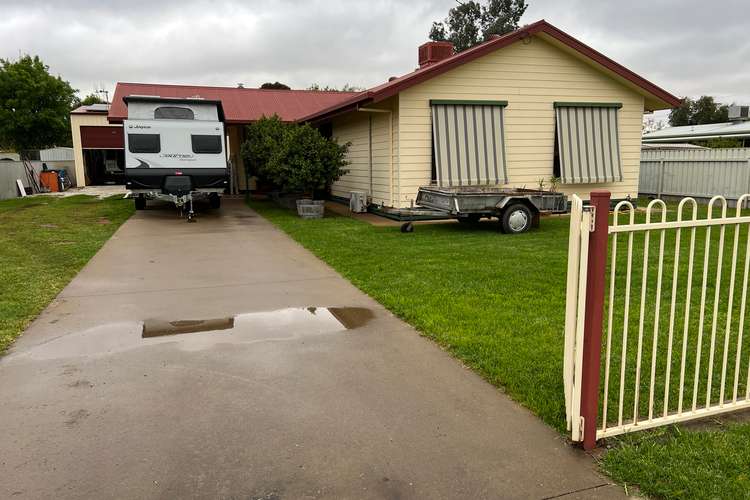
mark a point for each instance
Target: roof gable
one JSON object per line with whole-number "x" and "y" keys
{"x": 656, "y": 97}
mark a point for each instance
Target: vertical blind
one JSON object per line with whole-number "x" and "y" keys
{"x": 588, "y": 143}
{"x": 468, "y": 142}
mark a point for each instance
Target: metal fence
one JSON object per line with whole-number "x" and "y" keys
{"x": 676, "y": 308}
{"x": 701, "y": 173}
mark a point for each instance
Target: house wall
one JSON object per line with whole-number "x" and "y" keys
{"x": 76, "y": 122}
{"x": 355, "y": 128}
{"x": 531, "y": 77}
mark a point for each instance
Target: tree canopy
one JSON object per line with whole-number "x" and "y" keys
{"x": 699, "y": 112}
{"x": 472, "y": 22}
{"x": 275, "y": 86}
{"x": 91, "y": 99}
{"x": 346, "y": 88}
{"x": 34, "y": 105}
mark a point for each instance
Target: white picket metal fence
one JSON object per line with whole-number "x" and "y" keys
{"x": 672, "y": 347}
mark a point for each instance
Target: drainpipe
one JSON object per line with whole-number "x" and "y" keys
{"x": 390, "y": 147}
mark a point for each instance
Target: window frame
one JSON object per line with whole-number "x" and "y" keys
{"x": 142, "y": 150}
{"x": 212, "y": 152}
{"x": 156, "y": 111}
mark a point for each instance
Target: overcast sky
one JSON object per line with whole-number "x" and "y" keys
{"x": 688, "y": 47}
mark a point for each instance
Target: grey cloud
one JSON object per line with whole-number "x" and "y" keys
{"x": 688, "y": 47}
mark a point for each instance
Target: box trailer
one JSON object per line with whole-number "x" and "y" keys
{"x": 175, "y": 150}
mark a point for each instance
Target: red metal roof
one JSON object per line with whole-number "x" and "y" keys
{"x": 240, "y": 105}
{"x": 419, "y": 75}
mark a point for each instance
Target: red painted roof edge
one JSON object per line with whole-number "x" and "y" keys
{"x": 387, "y": 90}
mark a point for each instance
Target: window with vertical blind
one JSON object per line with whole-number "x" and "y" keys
{"x": 468, "y": 142}
{"x": 588, "y": 145}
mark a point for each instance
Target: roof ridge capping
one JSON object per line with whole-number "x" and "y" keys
{"x": 391, "y": 88}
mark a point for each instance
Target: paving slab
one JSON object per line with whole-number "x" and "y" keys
{"x": 300, "y": 385}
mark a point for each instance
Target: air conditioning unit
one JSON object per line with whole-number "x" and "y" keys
{"x": 739, "y": 113}
{"x": 358, "y": 202}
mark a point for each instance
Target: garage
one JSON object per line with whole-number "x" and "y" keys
{"x": 98, "y": 145}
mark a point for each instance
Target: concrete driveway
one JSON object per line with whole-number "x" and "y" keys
{"x": 278, "y": 400}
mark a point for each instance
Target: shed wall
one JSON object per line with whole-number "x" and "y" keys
{"x": 76, "y": 122}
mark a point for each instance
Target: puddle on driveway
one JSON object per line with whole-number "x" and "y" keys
{"x": 158, "y": 327}
{"x": 199, "y": 334}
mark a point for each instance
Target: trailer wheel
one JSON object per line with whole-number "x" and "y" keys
{"x": 140, "y": 202}
{"x": 214, "y": 200}
{"x": 407, "y": 227}
{"x": 516, "y": 218}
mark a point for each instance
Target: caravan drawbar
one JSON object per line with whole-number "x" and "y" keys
{"x": 175, "y": 150}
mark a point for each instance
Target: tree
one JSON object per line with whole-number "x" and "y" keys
{"x": 34, "y": 105}
{"x": 275, "y": 86}
{"x": 471, "y": 22}
{"x": 91, "y": 99}
{"x": 346, "y": 88}
{"x": 698, "y": 112}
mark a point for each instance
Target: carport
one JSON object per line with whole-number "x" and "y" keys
{"x": 241, "y": 106}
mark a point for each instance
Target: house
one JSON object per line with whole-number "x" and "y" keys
{"x": 516, "y": 110}
{"x": 519, "y": 108}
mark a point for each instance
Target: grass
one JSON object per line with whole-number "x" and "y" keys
{"x": 45, "y": 241}
{"x": 497, "y": 303}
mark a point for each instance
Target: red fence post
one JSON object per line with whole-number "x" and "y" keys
{"x": 592, "y": 326}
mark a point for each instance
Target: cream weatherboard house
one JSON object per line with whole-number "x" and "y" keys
{"x": 523, "y": 107}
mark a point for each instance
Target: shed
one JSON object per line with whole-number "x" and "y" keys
{"x": 516, "y": 110}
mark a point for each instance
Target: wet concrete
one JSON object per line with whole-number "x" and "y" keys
{"x": 315, "y": 391}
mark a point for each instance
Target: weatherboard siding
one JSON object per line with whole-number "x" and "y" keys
{"x": 355, "y": 129}
{"x": 531, "y": 77}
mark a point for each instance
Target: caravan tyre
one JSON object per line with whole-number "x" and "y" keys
{"x": 214, "y": 200}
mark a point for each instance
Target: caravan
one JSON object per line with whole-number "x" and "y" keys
{"x": 175, "y": 150}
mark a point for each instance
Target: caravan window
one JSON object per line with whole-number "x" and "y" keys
{"x": 206, "y": 144}
{"x": 173, "y": 113}
{"x": 144, "y": 143}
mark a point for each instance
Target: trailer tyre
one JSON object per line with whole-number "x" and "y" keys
{"x": 516, "y": 218}
{"x": 407, "y": 227}
{"x": 140, "y": 202}
{"x": 214, "y": 200}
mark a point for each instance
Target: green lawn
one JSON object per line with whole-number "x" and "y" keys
{"x": 497, "y": 303}
{"x": 45, "y": 241}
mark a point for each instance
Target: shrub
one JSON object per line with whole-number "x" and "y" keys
{"x": 264, "y": 138}
{"x": 294, "y": 158}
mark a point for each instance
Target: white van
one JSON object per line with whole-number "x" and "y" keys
{"x": 175, "y": 149}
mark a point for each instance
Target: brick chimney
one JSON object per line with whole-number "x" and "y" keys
{"x": 432, "y": 52}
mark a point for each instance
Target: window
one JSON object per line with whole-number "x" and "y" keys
{"x": 206, "y": 144}
{"x": 144, "y": 143}
{"x": 468, "y": 142}
{"x": 587, "y": 142}
{"x": 173, "y": 113}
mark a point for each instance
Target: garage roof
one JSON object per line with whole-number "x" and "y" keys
{"x": 656, "y": 97}
{"x": 240, "y": 105}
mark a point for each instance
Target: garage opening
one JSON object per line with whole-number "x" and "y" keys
{"x": 103, "y": 155}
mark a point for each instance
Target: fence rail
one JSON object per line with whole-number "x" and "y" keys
{"x": 700, "y": 173}
{"x": 674, "y": 348}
